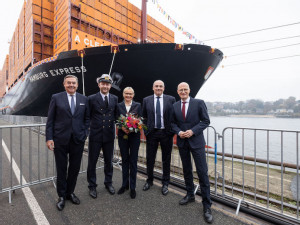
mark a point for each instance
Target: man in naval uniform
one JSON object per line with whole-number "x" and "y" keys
{"x": 103, "y": 113}
{"x": 66, "y": 131}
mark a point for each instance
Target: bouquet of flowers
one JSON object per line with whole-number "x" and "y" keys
{"x": 130, "y": 122}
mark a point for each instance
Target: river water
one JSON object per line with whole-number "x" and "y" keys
{"x": 278, "y": 145}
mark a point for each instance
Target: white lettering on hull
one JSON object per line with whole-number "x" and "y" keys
{"x": 58, "y": 72}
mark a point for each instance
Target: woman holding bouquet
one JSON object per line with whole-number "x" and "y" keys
{"x": 129, "y": 139}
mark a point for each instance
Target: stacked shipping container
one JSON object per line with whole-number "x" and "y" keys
{"x": 4, "y": 76}
{"x": 48, "y": 27}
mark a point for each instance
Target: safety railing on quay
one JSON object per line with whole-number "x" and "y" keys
{"x": 250, "y": 169}
{"x": 260, "y": 168}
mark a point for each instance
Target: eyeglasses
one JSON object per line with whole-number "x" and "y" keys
{"x": 183, "y": 90}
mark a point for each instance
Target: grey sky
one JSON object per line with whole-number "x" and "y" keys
{"x": 210, "y": 19}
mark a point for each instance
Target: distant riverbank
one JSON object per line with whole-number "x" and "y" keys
{"x": 253, "y": 116}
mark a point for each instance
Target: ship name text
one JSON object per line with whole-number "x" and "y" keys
{"x": 57, "y": 72}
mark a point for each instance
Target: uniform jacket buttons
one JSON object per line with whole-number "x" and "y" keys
{"x": 103, "y": 126}
{"x": 103, "y": 114}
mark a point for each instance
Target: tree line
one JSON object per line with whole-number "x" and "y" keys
{"x": 289, "y": 106}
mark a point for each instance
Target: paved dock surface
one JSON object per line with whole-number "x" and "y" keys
{"x": 36, "y": 204}
{"x": 149, "y": 207}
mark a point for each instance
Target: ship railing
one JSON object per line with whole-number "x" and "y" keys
{"x": 239, "y": 177}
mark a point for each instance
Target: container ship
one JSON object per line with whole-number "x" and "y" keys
{"x": 87, "y": 38}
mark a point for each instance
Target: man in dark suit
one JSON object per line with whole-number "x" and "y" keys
{"x": 103, "y": 108}
{"x": 157, "y": 112}
{"x": 190, "y": 118}
{"x": 66, "y": 131}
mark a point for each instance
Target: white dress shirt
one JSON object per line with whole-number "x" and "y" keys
{"x": 128, "y": 107}
{"x": 187, "y": 101}
{"x": 103, "y": 97}
{"x": 186, "y": 105}
{"x": 69, "y": 99}
{"x": 161, "y": 101}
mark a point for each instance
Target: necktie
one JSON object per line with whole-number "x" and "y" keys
{"x": 106, "y": 101}
{"x": 158, "y": 115}
{"x": 72, "y": 104}
{"x": 183, "y": 110}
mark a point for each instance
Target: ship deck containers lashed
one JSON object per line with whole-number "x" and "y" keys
{"x": 47, "y": 27}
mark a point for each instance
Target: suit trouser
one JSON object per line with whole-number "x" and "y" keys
{"x": 201, "y": 168}
{"x": 66, "y": 181}
{"x": 94, "y": 152}
{"x": 166, "y": 143}
{"x": 129, "y": 149}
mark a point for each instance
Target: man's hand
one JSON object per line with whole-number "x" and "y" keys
{"x": 125, "y": 130}
{"x": 186, "y": 134}
{"x": 189, "y": 133}
{"x": 50, "y": 145}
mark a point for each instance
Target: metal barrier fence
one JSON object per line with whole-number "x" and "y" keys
{"x": 260, "y": 168}
{"x": 238, "y": 170}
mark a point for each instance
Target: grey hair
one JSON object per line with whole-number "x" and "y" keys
{"x": 160, "y": 81}
{"x": 68, "y": 76}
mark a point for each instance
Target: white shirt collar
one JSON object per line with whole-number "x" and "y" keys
{"x": 155, "y": 96}
{"x": 103, "y": 95}
{"x": 187, "y": 100}
{"x": 71, "y": 95}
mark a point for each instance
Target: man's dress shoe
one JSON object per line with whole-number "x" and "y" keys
{"x": 60, "y": 203}
{"x": 93, "y": 192}
{"x": 110, "y": 189}
{"x": 147, "y": 186}
{"x": 121, "y": 190}
{"x": 207, "y": 215}
{"x": 187, "y": 199}
{"x": 164, "y": 190}
{"x": 132, "y": 193}
{"x": 73, "y": 198}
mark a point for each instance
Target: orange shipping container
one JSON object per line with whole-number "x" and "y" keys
{"x": 64, "y": 47}
{"x": 98, "y": 6}
{"x": 65, "y": 18}
{"x": 46, "y": 4}
{"x": 59, "y": 3}
{"x": 76, "y": 2}
{"x": 65, "y": 10}
{"x": 47, "y": 14}
{"x": 37, "y": 10}
{"x": 106, "y": 2}
{"x": 47, "y": 22}
{"x": 59, "y": 42}
{"x": 98, "y": 15}
{"x": 112, "y": 13}
{"x": 82, "y": 40}
{"x": 92, "y": 2}
{"x": 64, "y": 29}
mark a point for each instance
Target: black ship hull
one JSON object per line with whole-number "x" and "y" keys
{"x": 135, "y": 65}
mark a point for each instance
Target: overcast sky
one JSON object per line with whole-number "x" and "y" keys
{"x": 209, "y": 19}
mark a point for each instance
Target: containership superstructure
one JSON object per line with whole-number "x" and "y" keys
{"x": 87, "y": 38}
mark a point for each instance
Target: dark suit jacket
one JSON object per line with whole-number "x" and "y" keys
{"x": 196, "y": 119}
{"x": 135, "y": 109}
{"x": 149, "y": 114}
{"x": 61, "y": 124}
{"x": 102, "y": 126}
